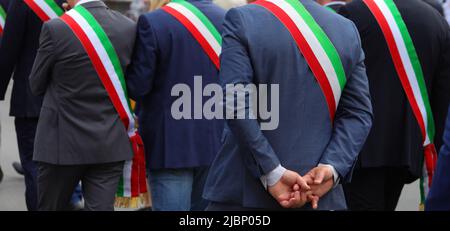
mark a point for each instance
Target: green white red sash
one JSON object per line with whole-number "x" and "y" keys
{"x": 199, "y": 26}
{"x": 107, "y": 64}
{"x": 410, "y": 72}
{"x": 319, "y": 52}
{"x": 45, "y": 9}
{"x": 2, "y": 19}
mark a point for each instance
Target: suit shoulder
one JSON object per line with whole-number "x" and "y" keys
{"x": 125, "y": 20}
{"x": 55, "y": 24}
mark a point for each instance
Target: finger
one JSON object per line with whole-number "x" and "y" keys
{"x": 318, "y": 178}
{"x": 302, "y": 183}
{"x": 296, "y": 200}
{"x": 304, "y": 198}
{"x": 314, "y": 201}
{"x": 285, "y": 204}
{"x": 296, "y": 187}
{"x": 284, "y": 197}
{"x": 308, "y": 178}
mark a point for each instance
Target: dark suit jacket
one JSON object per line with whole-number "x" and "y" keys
{"x": 395, "y": 139}
{"x": 167, "y": 54}
{"x": 257, "y": 48}
{"x": 17, "y": 52}
{"x": 78, "y": 122}
{"x": 439, "y": 196}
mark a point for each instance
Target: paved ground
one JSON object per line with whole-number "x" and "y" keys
{"x": 12, "y": 188}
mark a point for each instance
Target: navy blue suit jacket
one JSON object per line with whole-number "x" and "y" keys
{"x": 257, "y": 48}
{"x": 439, "y": 196}
{"x": 17, "y": 52}
{"x": 167, "y": 54}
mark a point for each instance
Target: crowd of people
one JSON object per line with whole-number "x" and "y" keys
{"x": 111, "y": 109}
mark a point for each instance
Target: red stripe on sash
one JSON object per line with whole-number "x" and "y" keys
{"x": 1, "y": 30}
{"x": 307, "y": 52}
{"x": 101, "y": 71}
{"x": 142, "y": 168}
{"x": 430, "y": 161}
{"x": 399, "y": 66}
{"x": 135, "y": 171}
{"x": 197, "y": 35}
{"x": 37, "y": 10}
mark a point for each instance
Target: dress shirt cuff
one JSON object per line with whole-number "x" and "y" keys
{"x": 272, "y": 177}
{"x": 335, "y": 174}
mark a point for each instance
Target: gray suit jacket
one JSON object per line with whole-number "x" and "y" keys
{"x": 78, "y": 123}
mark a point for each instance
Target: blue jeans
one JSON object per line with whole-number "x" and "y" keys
{"x": 178, "y": 189}
{"x": 77, "y": 196}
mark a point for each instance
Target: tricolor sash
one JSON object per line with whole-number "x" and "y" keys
{"x": 312, "y": 42}
{"x": 200, "y": 27}
{"x": 409, "y": 70}
{"x": 133, "y": 187}
{"x": 45, "y": 9}
{"x": 2, "y": 19}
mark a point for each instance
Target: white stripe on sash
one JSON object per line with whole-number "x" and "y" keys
{"x": 127, "y": 175}
{"x": 106, "y": 61}
{"x": 316, "y": 47}
{"x": 46, "y": 8}
{"x": 2, "y": 22}
{"x": 199, "y": 25}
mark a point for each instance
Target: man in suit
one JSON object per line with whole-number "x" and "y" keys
{"x": 393, "y": 154}
{"x": 178, "y": 152}
{"x": 256, "y": 169}
{"x": 438, "y": 198}
{"x": 80, "y": 136}
{"x": 17, "y": 52}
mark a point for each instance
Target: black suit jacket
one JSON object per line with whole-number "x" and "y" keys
{"x": 17, "y": 52}
{"x": 395, "y": 138}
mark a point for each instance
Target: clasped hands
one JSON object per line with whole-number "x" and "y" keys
{"x": 294, "y": 191}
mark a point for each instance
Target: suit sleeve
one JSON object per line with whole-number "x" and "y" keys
{"x": 353, "y": 119}
{"x": 44, "y": 62}
{"x": 236, "y": 68}
{"x": 140, "y": 73}
{"x": 438, "y": 198}
{"x": 440, "y": 89}
{"x": 11, "y": 43}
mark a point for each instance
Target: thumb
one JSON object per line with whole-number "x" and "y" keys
{"x": 318, "y": 178}
{"x": 302, "y": 183}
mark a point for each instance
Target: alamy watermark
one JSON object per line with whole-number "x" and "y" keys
{"x": 241, "y": 101}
